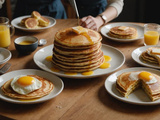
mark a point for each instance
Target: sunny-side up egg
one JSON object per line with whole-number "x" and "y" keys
{"x": 147, "y": 77}
{"x": 25, "y": 84}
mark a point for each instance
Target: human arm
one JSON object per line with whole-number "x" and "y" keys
{"x": 113, "y": 9}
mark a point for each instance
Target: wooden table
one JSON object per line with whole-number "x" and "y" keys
{"x": 81, "y": 99}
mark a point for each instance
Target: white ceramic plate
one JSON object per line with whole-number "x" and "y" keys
{"x": 138, "y": 97}
{"x": 58, "y": 85}
{"x": 16, "y": 23}
{"x": 5, "y": 55}
{"x": 136, "y": 57}
{"x": 117, "y": 61}
{"x": 105, "y": 29}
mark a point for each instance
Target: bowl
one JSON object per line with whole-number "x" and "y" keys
{"x": 26, "y": 44}
{"x": 5, "y": 55}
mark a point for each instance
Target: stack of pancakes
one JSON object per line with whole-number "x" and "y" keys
{"x": 125, "y": 85}
{"x": 77, "y": 49}
{"x": 123, "y": 32}
{"x": 46, "y": 88}
{"x": 35, "y": 21}
{"x": 151, "y": 55}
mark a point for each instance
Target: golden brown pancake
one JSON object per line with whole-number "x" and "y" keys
{"x": 36, "y": 15}
{"x": 69, "y": 38}
{"x": 77, "y": 50}
{"x": 43, "y": 21}
{"x": 151, "y": 56}
{"x": 23, "y": 20}
{"x": 31, "y": 23}
{"x": 125, "y": 85}
{"x": 46, "y": 88}
{"x": 123, "y": 32}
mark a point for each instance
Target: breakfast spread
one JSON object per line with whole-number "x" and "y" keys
{"x": 151, "y": 55}
{"x": 127, "y": 82}
{"x": 123, "y": 32}
{"x": 27, "y": 87}
{"x": 77, "y": 49}
{"x": 35, "y": 21}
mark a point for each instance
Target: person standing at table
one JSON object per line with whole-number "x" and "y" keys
{"x": 52, "y": 8}
{"x": 95, "y": 13}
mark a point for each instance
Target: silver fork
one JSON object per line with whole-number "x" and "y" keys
{"x": 5, "y": 68}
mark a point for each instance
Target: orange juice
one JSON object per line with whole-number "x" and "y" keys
{"x": 151, "y": 37}
{"x": 4, "y": 36}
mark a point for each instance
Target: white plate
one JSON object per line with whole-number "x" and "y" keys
{"x": 136, "y": 57}
{"x": 58, "y": 85}
{"x": 5, "y": 55}
{"x": 116, "y": 62}
{"x": 105, "y": 29}
{"x": 16, "y": 23}
{"x": 138, "y": 97}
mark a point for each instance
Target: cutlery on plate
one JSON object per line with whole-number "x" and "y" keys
{"x": 5, "y": 68}
{"x": 74, "y": 5}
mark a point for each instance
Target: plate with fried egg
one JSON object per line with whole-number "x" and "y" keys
{"x": 123, "y": 31}
{"x": 136, "y": 56}
{"x": 149, "y": 77}
{"x": 29, "y": 86}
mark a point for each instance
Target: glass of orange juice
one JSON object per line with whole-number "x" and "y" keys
{"x": 5, "y": 36}
{"x": 151, "y": 34}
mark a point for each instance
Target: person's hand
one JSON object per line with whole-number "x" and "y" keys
{"x": 91, "y": 22}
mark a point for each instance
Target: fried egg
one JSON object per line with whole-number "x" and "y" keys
{"x": 134, "y": 76}
{"x": 25, "y": 84}
{"x": 147, "y": 77}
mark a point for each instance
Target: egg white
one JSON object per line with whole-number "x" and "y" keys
{"x": 25, "y": 89}
{"x": 134, "y": 76}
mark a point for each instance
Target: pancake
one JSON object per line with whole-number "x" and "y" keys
{"x": 77, "y": 49}
{"x": 126, "y": 84}
{"x": 31, "y": 23}
{"x": 46, "y": 88}
{"x": 70, "y": 38}
{"x": 151, "y": 55}
{"x": 36, "y": 15}
{"x": 23, "y": 20}
{"x": 43, "y": 21}
{"x": 123, "y": 32}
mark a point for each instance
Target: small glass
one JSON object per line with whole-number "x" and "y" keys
{"x": 151, "y": 34}
{"x": 5, "y": 35}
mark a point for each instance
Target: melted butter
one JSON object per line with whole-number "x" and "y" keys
{"x": 55, "y": 69}
{"x": 105, "y": 65}
{"x": 88, "y": 37}
{"x": 87, "y": 73}
{"x": 70, "y": 73}
{"x": 107, "y": 58}
{"x": 49, "y": 58}
{"x": 27, "y": 100}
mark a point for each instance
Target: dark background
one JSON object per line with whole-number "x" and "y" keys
{"x": 146, "y": 11}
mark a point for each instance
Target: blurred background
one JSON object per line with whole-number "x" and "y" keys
{"x": 145, "y": 11}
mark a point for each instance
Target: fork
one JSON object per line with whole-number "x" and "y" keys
{"x": 5, "y": 68}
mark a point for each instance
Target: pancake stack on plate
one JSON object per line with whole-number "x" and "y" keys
{"x": 151, "y": 55}
{"x": 77, "y": 49}
{"x": 127, "y": 82}
{"x": 123, "y": 32}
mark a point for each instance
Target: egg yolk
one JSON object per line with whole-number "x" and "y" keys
{"x": 145, "y": 76}
{"x": 107, "y": 58}
{"x": 49, "y": 58}
{"x": 25, "y": 80}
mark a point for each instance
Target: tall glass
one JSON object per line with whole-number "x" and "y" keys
{"x": 151, "y": 34}
{"x": 5, "y": 35}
